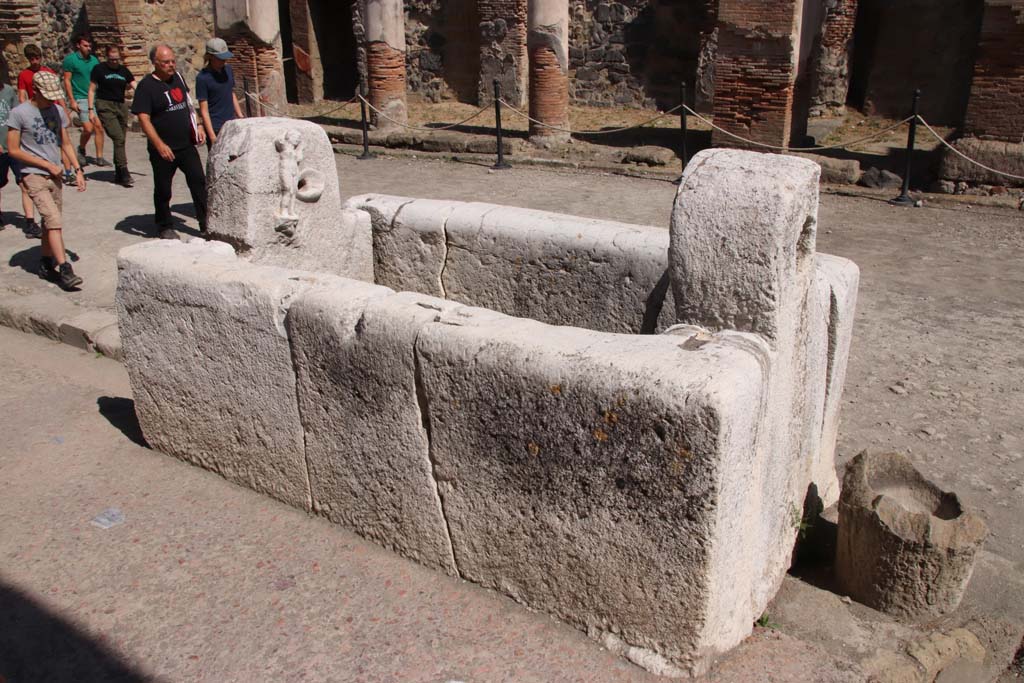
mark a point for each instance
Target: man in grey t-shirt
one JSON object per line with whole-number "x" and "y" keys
{"x": 37, "y": 131}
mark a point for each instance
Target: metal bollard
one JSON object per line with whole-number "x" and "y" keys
{"x": 904, "y": 199}
{"x": 683, "y": 154}
{"x": 501, "y": 164}
{"x": 248, "y": 98}
{"x": 367, "y": 154}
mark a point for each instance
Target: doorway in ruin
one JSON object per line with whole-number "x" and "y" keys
{"x": 333, "y": 28}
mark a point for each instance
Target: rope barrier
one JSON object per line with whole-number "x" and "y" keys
{"x": 976, "y": 163}
{"x": 529, "y": 118}
{"x": 846, "y": 143}
{"x": 255, "y": 98}
{"x": 420, "y": 128}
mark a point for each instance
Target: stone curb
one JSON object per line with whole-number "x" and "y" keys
{"x": 56, "y": 318}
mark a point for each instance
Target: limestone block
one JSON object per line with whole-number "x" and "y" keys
{"x": 409, "y": 243}
{"x": 81, "y": 330}
{"x": 904, "y": 546}
{"x": 273, "y": 189}
{"x": 842, "y": 277}
{"x": 742, "y": 257}
{"x": 1003, "y": 156}
{"x": 742, "y": 240}
{"x": 559, "y": 269}
{"x": 367, "y": 439}
{"x": 210, "y": 364}
{"x": 604, "y": 479}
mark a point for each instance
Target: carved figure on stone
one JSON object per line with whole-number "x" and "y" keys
{"x": 289, "y": 147}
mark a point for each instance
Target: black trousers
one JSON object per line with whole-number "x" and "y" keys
{"x": 188, "y": 161}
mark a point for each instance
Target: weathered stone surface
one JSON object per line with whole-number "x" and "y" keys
{"x": 367, "y": 439}
{"x": 742, "y": 258}
{"x": 273, "y": 193}
{"x": 837, "y": 171}
{"x": 209, "y": 361}
{"x": 1002, "y": 156}
{"x": 880, "y": 178}
{"x": 842, "y": 277}
{"x": 603, "y": 478}
{"x": 409, "y": 243}
{"x": 563, "y": 270}
{"x": 904, "y": 546}
{"x": 81, "y": 330}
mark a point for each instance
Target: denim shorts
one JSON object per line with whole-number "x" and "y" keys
{"x": 83, "y": 108}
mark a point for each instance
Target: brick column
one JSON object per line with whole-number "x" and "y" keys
{"x": 547, "y": 42}
{"x": 385, "y": 60}
{"x": 997, "y": 91}
{"x": 755, "y": 70}
{"x": 503, "y": 50}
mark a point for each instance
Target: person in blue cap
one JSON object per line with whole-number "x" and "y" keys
{"x": 215, "y": 90}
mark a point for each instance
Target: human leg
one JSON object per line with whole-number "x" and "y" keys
{"x": 99, "y": 138}
{"x": 112, "y": 121}
{"x": 163, "y": 175}
{"x": 192, "y": 166}
{"x": 87, "y": 127}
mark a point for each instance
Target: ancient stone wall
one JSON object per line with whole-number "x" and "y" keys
{"x": 443, "y": 48}
{"x": 20, "y": 21}
{"x": 636, "y": 52}
{"x": 918, "y": 44}
{"x": 503, "y": 50}
{"x": 831, "y": 78}
{"x": 997, "y": 91}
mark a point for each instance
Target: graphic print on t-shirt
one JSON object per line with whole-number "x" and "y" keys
{"x": 44, "y": 130}
{"x": 175, "y": 94}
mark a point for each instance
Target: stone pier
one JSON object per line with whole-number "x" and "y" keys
{"x": 385, "y": 61}
{"x": 547, "y": 42}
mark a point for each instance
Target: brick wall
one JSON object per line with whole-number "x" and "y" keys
{"x": 258, "y": 65}
{"x": 830, "y": 80}
{"x": 997, "y": 92}
{"x": 503, "y": 50}
{"x": 754, "y": 70}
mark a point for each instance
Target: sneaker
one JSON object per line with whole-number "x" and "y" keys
{"x": 48, "y": 269}
{"x": 168, "y": 234}
{"x": 66, "y": 277}
{"x": 69, "y": 177}
{"x": 100, "y": 161}
{"x": 123, "y": 177}
{"x": 82, "y": 158}
{"x": 32, "y": 229}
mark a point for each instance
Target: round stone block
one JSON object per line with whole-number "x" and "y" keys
{"x": 905, "y": 546}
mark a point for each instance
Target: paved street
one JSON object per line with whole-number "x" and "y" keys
{"x": 207, "y": 581}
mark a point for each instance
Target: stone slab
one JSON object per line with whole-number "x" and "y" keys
{"x": 81, "y": 330}
{"x": 558, "y": 269}
{"x": 842, "y": 278}
{"x": 41, "y": 313}
{"x": 367, "y": 439}
{"x": 210, "y": 364}
{"x": 1002, "y": 156}
{"x": 602, "y": 478}
{"x": 255, "y": 166}
{"x": 108, "y": 342}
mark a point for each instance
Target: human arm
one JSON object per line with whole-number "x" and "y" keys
{"x": 22, "y": 96}
{"x": 67, "y": 89}
{"x": 238, "y": 107}
{"x": 92, "y": 95}
{"x": 69, "y": 150}
{"x": 159, "y": 145}
{"x": 204, "y": 113}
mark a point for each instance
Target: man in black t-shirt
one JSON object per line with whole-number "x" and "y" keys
{"x": 108, "y": 82}
{"x": 166, "y": 115}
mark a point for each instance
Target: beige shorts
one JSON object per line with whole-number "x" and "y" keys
{"x": 46, "y": 195}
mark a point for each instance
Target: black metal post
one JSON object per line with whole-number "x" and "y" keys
{"x": 904, "y": 199}
{"x": 248, "y": 98}
{"x": 500, "y": 164}
{"x": 367, "y": 154}
{"x": 683, "y": 154}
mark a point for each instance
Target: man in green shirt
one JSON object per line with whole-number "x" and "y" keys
{"x": 78, "y": 68}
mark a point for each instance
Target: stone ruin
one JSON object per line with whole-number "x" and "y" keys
{"x": 615, "y": 424}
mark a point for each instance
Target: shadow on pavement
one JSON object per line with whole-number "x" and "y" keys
{"x": 120, "y": 412}
{"x": 142, "y": 225}
{"x": 28, "y": 259}
{"x": 38, "y": 645}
